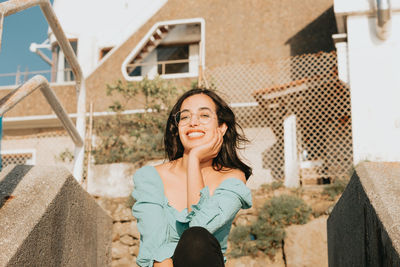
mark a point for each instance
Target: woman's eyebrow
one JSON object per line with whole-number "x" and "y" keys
{"x": 204, "y": 108}
{"x": 201, "y": 108}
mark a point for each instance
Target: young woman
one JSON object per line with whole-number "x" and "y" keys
{"x": 185, "y": 207}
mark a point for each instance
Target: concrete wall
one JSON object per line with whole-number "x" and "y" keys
{"x": 363, "y": 228}
{"x": 111, "y": 180}
{"x": 36, "y": 104}
{"x": 373, "y": 74}
{"x": 47, "y": 147}
{"x": 47, "y": 219}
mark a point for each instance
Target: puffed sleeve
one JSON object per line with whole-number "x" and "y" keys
{"x": 213, "y": 212}
{"x": 151, "y": 218}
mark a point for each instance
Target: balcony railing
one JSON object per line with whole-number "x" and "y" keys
{"x": 20, "y": 77}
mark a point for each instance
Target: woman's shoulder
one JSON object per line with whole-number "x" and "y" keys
{"x": 233, "y": 173}
{"x": 147, "y": 185}
{"x": 146, "y": 175}
{"x": 163, "y": 166}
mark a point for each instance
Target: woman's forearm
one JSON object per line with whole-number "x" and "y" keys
{"x": 194, "y": 181}
{"x": 164, "y": 263}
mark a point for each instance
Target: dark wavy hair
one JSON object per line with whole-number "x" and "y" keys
{"x": 232, "y": 140}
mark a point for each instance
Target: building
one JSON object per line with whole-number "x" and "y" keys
{"x": 175, "y": 39}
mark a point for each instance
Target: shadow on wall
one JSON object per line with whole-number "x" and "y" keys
{"x": 316, "y": 36}
{"x": 11, "y": 181}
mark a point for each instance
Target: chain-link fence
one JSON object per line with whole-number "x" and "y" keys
{"x": 264, "y": 97}
{"x": 303, "y": 87}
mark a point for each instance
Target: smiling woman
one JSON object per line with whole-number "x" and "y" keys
{"x": 185, "y": 207}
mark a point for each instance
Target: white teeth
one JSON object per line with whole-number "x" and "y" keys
{"x": 195, "y": 134}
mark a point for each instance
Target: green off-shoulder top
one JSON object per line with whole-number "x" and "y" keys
{"x": 160, "y": 225}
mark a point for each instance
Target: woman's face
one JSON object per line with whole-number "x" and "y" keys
{"x": 198, "y": 121}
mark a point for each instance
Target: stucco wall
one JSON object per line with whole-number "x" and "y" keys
{"x": 238, "y": 32}
{"x": 235, "y": 33}
{"x": 373, "y": 67}
{"x": 36, "y": 104}
{"x": 47, "y": 146}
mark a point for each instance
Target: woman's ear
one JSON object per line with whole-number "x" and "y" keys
{"x": 223, "y": 128}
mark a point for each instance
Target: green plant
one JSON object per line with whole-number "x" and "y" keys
{"x": 285, "y": 210}
{"x": 268, "y": 236}
{"x": 267, "y": 233}
{"x": 336, "y": 188}
{"x": 139, "y": 136}
{"x": 241, "y": 242}
{"x": 272, "y": 186}
{"x": 65, "y": 156}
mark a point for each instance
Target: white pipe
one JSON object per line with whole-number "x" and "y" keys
{"x": 383, "y": 23}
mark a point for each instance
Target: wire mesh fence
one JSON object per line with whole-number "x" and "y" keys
{"x": 263, "y": 97}
{"x": 307, "y": 87}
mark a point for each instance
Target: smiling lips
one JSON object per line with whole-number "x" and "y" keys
{"x": 192, "y": 134}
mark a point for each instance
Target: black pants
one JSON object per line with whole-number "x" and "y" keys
{"x": 198, "y": 248}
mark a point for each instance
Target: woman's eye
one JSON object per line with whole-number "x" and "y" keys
{"x": 205, "y": 115}
{"x": 184, "y": 117}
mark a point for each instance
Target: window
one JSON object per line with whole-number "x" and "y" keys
{"x": 170, "y": 49}
{"x": 61, "y": 70}
{"x": 104, "y": 51}
{"x": 172, "y": 59}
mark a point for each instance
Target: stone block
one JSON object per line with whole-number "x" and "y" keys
{"x": 47, "y": 219}
{"x": 363, "y": 228}
{"x": 306, "y": 245}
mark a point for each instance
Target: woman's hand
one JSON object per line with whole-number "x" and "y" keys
{"x": 164, "y": 263}
{"x": 209, "y": 149}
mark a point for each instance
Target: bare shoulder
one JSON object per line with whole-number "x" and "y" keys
{"x": 163, "y": 166}
{"x": 234, "y": 173}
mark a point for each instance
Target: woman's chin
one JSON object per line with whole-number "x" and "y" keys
{"x": 189, "y": 144}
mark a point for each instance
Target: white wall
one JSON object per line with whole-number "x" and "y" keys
{"x": 374, "y": 79}
{"x": 101, "y": 23}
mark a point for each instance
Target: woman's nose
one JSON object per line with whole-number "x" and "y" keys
{"x": 194, "y": 120}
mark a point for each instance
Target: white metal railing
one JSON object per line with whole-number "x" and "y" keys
{"x": 13, "y": 6}
{"x": 19, "y": 77}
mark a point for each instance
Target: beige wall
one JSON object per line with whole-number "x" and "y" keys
{"x": 239, "y": 32}
{"x": 47, "y": 148}
{"x": 36, "y": 104}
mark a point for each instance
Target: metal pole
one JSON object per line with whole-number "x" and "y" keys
{"x": 13, "y": 6}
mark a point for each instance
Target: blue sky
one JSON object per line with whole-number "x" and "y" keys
{"x": 19, "y": 31}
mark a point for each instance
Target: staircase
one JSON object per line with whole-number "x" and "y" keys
{"x": 155, "y": 39}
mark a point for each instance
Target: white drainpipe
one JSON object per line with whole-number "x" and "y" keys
{"x": 383, "y": 23}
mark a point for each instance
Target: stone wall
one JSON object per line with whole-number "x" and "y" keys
{"x": 47, "y": 219}
{"x": 125, "y": 235}
{"x": 363, "y": 228}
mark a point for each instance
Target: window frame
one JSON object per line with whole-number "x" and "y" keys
{"x": 144, "y": 40}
